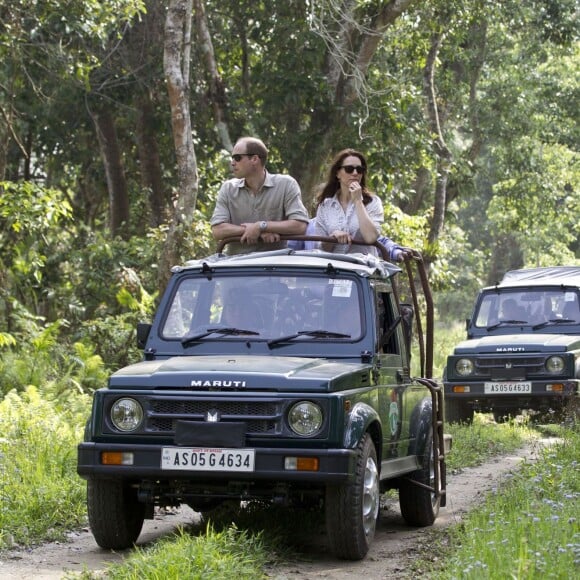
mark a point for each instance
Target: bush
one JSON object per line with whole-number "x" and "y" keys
{"x": 41, "y": 496}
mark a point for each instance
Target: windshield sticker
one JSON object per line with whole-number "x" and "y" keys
{"x": 341, "y": 288}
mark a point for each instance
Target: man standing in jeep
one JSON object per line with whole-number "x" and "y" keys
{"x": 257, "y": 205}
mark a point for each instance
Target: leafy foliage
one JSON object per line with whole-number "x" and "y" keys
{"x": 42, "y": 497}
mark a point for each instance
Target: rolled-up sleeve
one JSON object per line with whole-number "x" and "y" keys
{"x": 221, "y": 213}
{"x": 293, "y": 206}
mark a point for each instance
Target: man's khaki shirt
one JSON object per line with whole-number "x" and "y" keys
{"x": 279, "y": 199}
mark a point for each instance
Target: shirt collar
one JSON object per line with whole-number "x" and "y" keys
{"x": 268, "y": 181}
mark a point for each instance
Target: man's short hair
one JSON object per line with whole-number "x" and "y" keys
{"x": 255, "y": 146}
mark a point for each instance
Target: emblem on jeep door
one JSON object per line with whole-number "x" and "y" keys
{"x": 394, "y": 418}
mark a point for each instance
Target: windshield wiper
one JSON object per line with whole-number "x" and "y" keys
{"x": 230, "y": 331}
{"x": 312, "y": 333}
{"x": 554, "y": 321}
{"x": 505, "y": 322}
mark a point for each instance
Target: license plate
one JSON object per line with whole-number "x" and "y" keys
{"x": 210, "y": 459}
{"x": 507, "y": 388}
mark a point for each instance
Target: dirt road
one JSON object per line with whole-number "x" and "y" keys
{"x": 394, "y": 545}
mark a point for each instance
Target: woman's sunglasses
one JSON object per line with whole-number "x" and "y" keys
{"x": 352, "y": 168}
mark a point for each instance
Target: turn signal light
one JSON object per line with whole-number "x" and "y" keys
{"x": 116, "y": 458}
{"x": 558, "y": 387}
{"x": 461, "y": 389}
{"x": 301, "y": 463}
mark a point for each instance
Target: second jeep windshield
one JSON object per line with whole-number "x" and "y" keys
{"x": 534, "y": 307}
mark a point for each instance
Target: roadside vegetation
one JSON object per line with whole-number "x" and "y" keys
{"x": 528, "y": 529}
{"x": 41, "y": 497}
{"x": 229, "y": 553}
{"x": 476, "y": 443}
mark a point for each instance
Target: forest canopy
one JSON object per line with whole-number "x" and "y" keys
{"x": 467, "y": 111}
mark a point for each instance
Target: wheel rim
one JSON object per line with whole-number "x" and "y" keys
{"x": 370, "y": 503}
{"x": 434, "y": 498}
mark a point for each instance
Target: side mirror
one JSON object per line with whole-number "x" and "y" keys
{"x": 143, "y": 330}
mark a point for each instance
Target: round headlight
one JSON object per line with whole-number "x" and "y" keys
{"x": 126, "y": 414}
{"x": 464, "y": 367}
{"x": 555, "y": 365}
{"x": 305, "y": 418}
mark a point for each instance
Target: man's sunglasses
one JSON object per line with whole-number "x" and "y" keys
{"x": 352, "y": 168}
{"x": 237, "y": 157}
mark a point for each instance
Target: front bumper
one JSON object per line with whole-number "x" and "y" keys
{"x": 546, "y": 390}
{"x": 335, "y": 465}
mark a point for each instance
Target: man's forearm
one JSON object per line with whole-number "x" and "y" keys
{"x": 227, "y": 230}
{"x": 287, "y": 227}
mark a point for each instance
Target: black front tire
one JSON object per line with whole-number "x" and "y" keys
{"x": 352, "y": 509}
{"x": 458, "y": 411}
{"x": 420, "y": 506}
{"x": 115, "y": 514}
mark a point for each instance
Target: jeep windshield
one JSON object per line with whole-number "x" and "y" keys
{"x": 251, "y": 307}
{"x": 538, "y": 308}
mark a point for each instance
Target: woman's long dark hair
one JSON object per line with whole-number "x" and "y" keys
{"x": 332, "y": 184}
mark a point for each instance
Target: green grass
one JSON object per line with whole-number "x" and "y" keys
{"x": 473, "y": 444}
{"x": 41, "y": 496}
{"x": 529, "y": 530}
{"x": 230, "y": 553}
{"x": 446, "y": 335}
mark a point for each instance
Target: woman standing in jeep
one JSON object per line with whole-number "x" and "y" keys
{"x": 346, "y": 209}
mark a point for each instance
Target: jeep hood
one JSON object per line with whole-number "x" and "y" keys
{"x": 242, "y": 373}
{"x": 519, "y": 343}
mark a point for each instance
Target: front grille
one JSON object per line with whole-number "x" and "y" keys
{"x": 510, "y": 367}
{"x": 535, "y": 364}
{"x": 260, "y": 417}
{"x": 178, "y": 407}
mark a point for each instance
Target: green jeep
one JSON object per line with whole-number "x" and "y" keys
{"x": 523, "y": 347}
{"x": 281, "y": 376}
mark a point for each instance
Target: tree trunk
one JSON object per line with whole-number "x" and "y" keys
{"x": 176, "y": 58}
{"x": 217, "y": 93}
{"x": 115, "y": 174}
{"x": 8, "y": 133}
{"x": 441, "y": 150}
{"x": 151, "y": 175}
{"x": 421, "y": 187}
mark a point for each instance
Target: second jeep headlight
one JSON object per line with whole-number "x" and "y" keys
{"x": 305, "y": 418}
{"x": 555, "y": 365}
{"x": 126, "y": 414}
{"x": 464, "y": 367}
